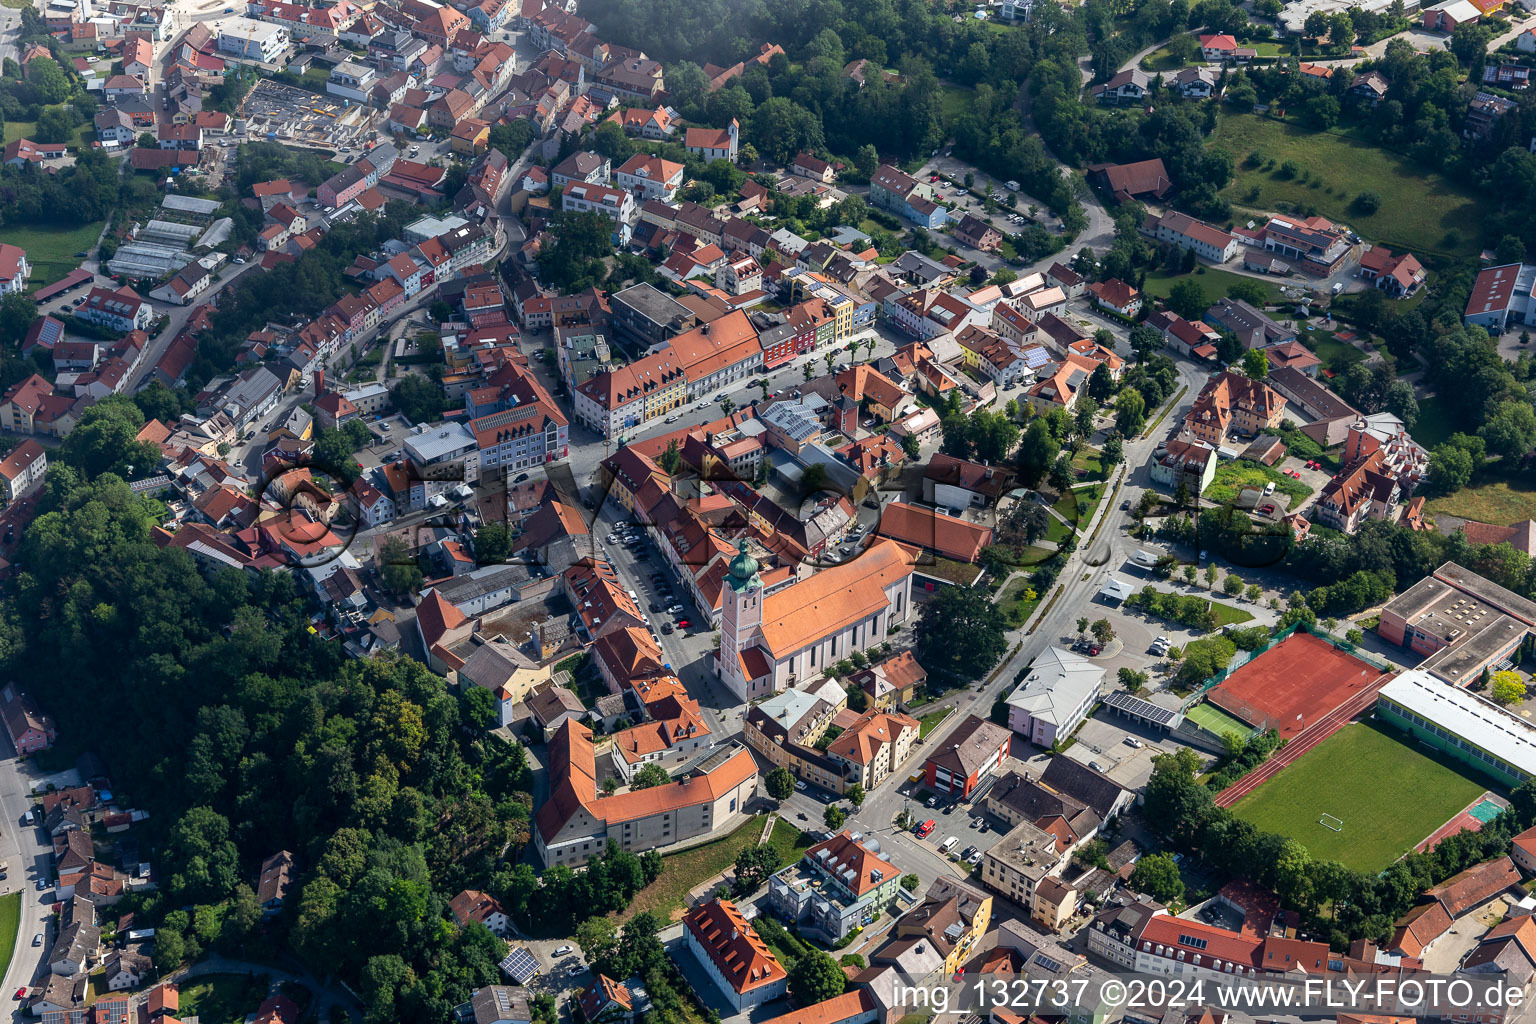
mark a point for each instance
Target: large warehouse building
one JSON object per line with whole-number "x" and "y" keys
{"x": 1469, "y": 728}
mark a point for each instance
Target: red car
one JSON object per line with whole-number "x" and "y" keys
{"x": 683, "y": 623}
{"x": 1267, "y": 510}
{"x": 21, "y": 993}
{"x": 925, "y": 829}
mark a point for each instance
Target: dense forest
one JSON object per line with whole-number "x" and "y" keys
{"x": 220, "y": 713}
{"x": 804, "y": 97}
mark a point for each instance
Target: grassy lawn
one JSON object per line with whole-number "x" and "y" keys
{"x": 222, "y": 998}
{"x": 682, "y": 871}
{"x": 1229, "y": 615}
{"x": 1335, "y": 354}
{"x": 1500, "y": 502}
{"x": 1089, "y": 463}
{"x": 1071, "y": 505}
{"x": 788, "y": 840}
{"x": 962, "y": 574}
{"x": 1389, "y": 794}
{"x": 1417, "y": 209}
{"x": 52, "y": 251}
{"x": 1434, "y": 424}
{"x": 1214, "y": 283}
{"x": 10, "y": 921}
{"x": 19, "y": 130}
{"x": 1015, "y": 608}
{"x": 1214, "y": 720}
{"x": 956, "y": 101}
{"x": 1233, "y": 476}
{"x": 931, "y": 721}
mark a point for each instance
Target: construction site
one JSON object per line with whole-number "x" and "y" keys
{"x": 286, "y": 113}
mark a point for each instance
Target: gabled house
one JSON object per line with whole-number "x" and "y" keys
{"x": 1128, "y": 87}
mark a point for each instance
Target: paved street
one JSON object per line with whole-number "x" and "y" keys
{"x": 28, "y": 858}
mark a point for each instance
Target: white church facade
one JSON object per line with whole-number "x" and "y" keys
{"x": 774, "y": 643}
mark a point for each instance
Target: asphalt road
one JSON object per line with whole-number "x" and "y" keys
{"x": 29, "y": 858}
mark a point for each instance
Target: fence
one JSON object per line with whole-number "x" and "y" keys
{"x": 1244, "y": 657}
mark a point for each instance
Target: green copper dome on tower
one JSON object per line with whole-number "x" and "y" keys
{"x": 744, "y": 569}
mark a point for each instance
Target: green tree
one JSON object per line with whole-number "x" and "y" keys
{"x": 834, "y": 816}
{"x": 1450, "y": 468}
{"x": 493, "y": 543}
{"x": 1255, "y": 364}
{"x": 753, "y": 867}
{"x": 959, "y": 636}
{"x": 1132, "y": 680}
{"x": 1511, "y": 429}
{"x": 1506, "y": 688}
{"x": 1130, "y": 412}
{"x": 1232, "y": 585}
{"x": 49, "y": 83}
{"x": 419, "y": 399}
{"x": 910, "y": 446}
{"x": 855, "y": 795}
{"x": 780, "y": 782}
{"x": 650, "y": 774}
{"x": 813, "y": 479}
{"x": 1158, "y": 876}
{"x": 1145, "y": 341}
{"x": 105, "y": 441}
{"x": 1187, "y": 299}
{"x": 814, "y": 978}
{"x": 1037, "y": 450}
{"x": 1511, "y": 249}
{"x": 17, "y": 312}
{"x": 671, "y": 460}
{"x": 397, "y": 568}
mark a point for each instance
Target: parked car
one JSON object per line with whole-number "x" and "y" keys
{"x": 800, "y": 785}
{"x": 656, "y": 606}
{"x": 1133, "y": 741}
{"x": 926, "y": 829}
{"x": 520, "y": 478}
{"x": 683, "y": 623}
{"x": 666, "y": 628}
{"x": 562, "y": 950}
{"x": 1266, "y": 510}
{"x": 966, "y": 853}
{"x": 37, "y": 940}
{"x": 674, "y": 609}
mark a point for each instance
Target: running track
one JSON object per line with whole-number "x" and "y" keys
{"x": 1308, "y": 738}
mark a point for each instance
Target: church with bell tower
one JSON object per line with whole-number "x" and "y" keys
{"x": 741, "y": 629}
{"x": 780, "y": 640}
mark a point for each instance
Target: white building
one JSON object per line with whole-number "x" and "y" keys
{"x": 1055, "y": 697}
{"x": 14, "y": 269}
{"x": 793, "y": 635}
{"x": 351, "y": 81}
{"x": 255, "y": 40}
{"x": 1202, "y": 239}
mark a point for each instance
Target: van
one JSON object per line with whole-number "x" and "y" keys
{"x": 948, "y": 844}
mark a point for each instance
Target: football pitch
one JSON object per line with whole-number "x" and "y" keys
{"x": 1389, "y": 794}
{"x": 1214, "y": 720}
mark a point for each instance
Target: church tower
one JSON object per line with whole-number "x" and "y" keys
{"x": 741, "y": 620}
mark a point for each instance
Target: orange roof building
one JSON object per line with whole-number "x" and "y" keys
{"x": 769, "y": 643}
{"x": 577, "y": 821}
{"x": 734, "y": 955}
{"x": 944, "y": 535}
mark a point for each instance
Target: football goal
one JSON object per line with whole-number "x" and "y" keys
{"x": 1329, "y": 821}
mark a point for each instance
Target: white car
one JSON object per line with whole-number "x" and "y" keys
{"x": 562, "y": 950}
{"x": 1133, "y": 741}
{"x": 674, "y": 609}
{"x": 800, "y": 785}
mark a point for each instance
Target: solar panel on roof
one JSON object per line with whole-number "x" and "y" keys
{"x": 1140, "y": 708}
{"x": 520, "y": 965}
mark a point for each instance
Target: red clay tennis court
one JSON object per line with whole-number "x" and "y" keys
{"x": 1294, "y": 684}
